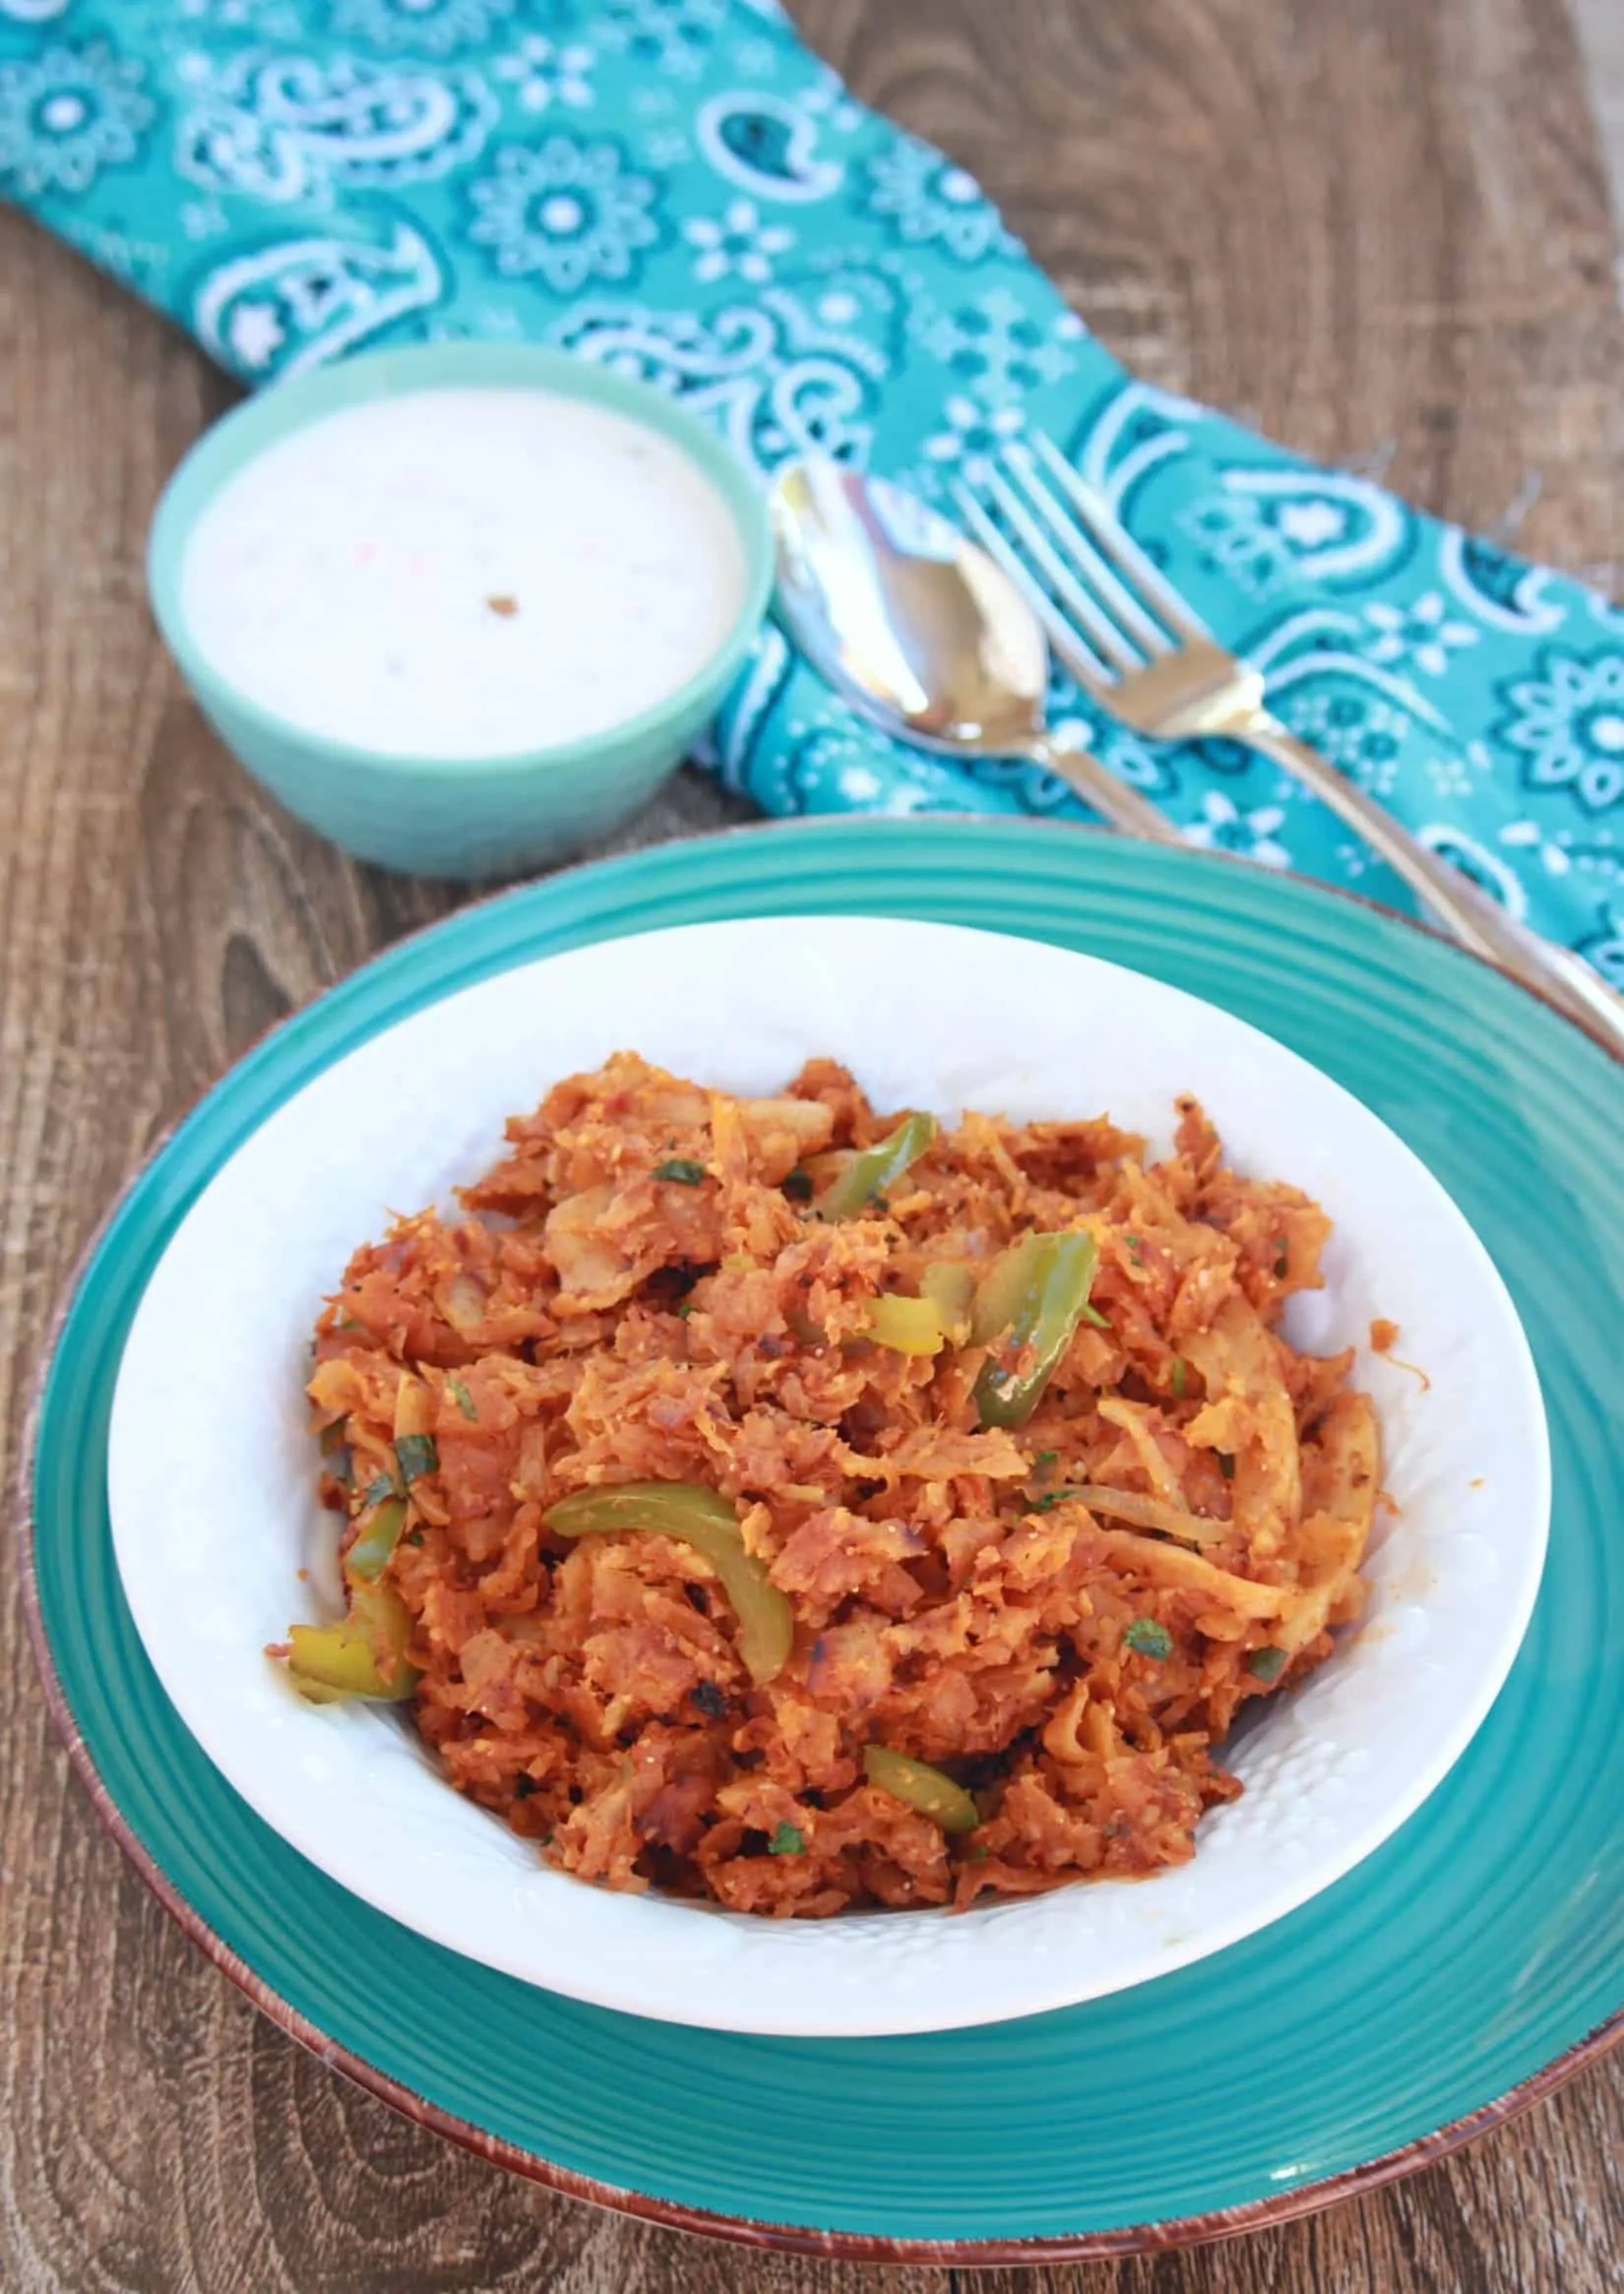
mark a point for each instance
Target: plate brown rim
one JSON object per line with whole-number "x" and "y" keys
{"x": 788, "y": 2238}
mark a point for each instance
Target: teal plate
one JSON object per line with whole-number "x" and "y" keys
{"x": 1460, "y": 1971}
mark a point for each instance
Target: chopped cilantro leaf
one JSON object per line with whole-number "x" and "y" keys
{"x": 1267, "y": 1664}
{"x": 787, "y": 1840}
{"x": 416, "y": 1537}
{"x": 1042, "y": 1462}
{"x": 1148, "y": 1639}
{"x": 1180, "y": 1377}
{"x": 681, "y": 1171}
{"x": 465, "y": 1401}
{"x": 416, "y": 1455}
{"x": 683, "y": 1308}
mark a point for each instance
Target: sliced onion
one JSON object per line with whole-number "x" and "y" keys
{"x": 1150, "y": 1513}
{"x": 462, "y": 1301}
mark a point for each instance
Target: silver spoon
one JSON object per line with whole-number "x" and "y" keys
{"x": 923, "y": 632}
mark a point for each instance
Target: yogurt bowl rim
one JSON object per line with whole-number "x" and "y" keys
{"x": 282, "y": 409}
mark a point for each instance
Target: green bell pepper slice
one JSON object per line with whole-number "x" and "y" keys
{"x": 363, "y": 1655}
{"x": 699, "y": 1518}
{"x": 908, "y": 1325}
{"x": 1032, "y": 1297}
{"x": 369, "y": 1555}
{"x": 949, "y": 1285}
{"x": 876, "y": 1168}
{"x": 921, "y": 1787}
{"x": 336, "y": 1457}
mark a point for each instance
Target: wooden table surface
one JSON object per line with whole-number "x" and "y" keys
{"x": 1379, "y": 229}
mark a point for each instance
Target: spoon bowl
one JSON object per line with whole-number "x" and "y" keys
{"x": 921, "y": 630}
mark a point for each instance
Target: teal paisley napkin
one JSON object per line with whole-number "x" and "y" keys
{"x": 677, "y": 187}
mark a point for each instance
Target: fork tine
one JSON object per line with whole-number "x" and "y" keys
{"x": 1073, "y": 649}
{"x": 1107, "y": 636}
{"x": 1090, "y": 559}
{"x": 1108, "y": 535}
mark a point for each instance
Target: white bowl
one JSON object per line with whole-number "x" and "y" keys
{"x": 214, "y": 1512}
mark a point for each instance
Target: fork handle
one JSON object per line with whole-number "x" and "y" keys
{"x": 1469, "y": 916}
{"x": 1112, "y": 799}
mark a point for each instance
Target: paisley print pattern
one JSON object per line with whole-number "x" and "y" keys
{"x": 766, "y": 145}
{"x": 565, "y": 212}
{"x": 425, "y": 27}
{"x": 1267, "y": 528}
{"x": 544, "y": 71}
{"x": 737, "y": 242}
{"x": 288, "y": 128}
{"x": 928, "y": 202}
{"x": 780, "y": 376}
{"x": 1568, "y": 725}
{"x": 678, "y": 189}
{"x": 301, "y": 301}
{"x": 66, "y": 116}
{"x": 669, "y": 35}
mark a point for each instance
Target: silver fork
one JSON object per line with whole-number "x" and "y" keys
{"x": 1135, "y": 647}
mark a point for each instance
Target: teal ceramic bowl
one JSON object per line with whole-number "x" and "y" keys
{"x": 454, "y": 816}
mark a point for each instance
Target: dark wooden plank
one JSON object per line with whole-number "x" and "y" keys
{"x": 1383, "y": 223}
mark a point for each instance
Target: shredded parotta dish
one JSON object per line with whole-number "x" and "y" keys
{"x": 806, "y": 1508}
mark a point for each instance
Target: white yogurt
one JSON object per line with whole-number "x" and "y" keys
{"x": 462, "y": 572}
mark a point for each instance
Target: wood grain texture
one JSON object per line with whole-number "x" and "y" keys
{"x": 1373, "y": 229}
{"x": 1598, "y": 27}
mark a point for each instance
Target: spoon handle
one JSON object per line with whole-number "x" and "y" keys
{"x": 1112, "y": 799}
